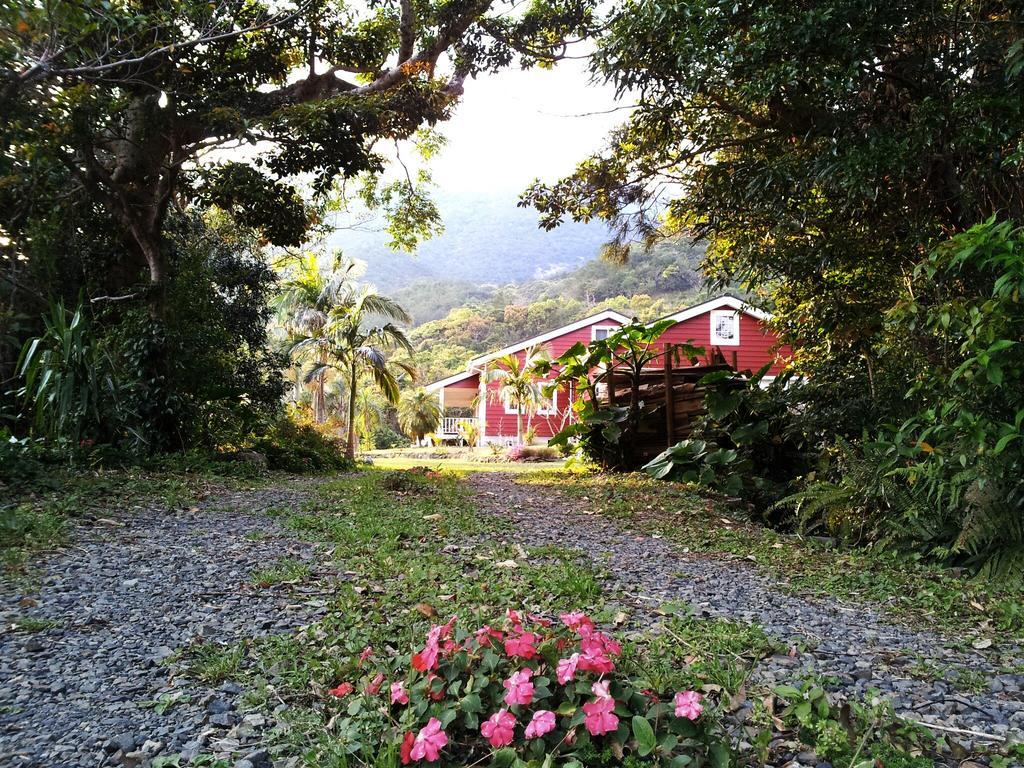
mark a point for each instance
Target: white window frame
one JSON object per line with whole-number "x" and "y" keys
{"x": 609, "y": 328}
{"x": 716, "y": 315}
{"x": 511, "y": 411}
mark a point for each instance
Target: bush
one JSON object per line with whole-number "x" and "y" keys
{"x": 533, "y": 453}
{"x": 534, "y": 691}
{"x": 751, "y": 442}
{"x": 384, "y": 437}
{"x": 291, "y": 446}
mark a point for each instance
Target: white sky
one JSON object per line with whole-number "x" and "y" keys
{"x": 515, "y": 126}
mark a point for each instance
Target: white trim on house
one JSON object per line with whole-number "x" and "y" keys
{"x": 608, "y": 314}
{"x": 609, "y": 329}
{"x": 727, "y": 301}
{"x": 455, "y": 377}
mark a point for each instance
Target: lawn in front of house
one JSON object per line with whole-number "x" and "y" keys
{"x": 455, "y": 459}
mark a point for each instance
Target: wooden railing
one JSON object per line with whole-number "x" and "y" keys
{"x": 450, "y": 425}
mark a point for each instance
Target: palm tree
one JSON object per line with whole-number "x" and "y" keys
{"x": 304, "y": 304}
{"x": 520, "y": 384}
{"x": 419, "y": 412}
{"x": 358, "y": 338}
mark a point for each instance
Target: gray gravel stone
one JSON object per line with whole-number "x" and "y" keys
{"x": 126, "y": 598}
{"x": 853, "y": 643}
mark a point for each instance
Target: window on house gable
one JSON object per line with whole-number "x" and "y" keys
{"x": 601, "y": 332}
{"x": 725, "y": 327}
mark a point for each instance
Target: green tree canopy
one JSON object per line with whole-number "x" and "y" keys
{"x": 109, "y": 106}
{"x": 820, "y": 147}
{"x": 419, "y": 412}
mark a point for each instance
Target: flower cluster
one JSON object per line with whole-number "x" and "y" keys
{"x": 541, "y": 687}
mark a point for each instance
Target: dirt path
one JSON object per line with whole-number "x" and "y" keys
{"x": 854, "y": 644}
{"x": 110, "y": 613}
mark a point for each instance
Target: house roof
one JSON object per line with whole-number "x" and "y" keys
{"x": 728, "y": 301}
{"x": 455, "y": 377}
{"x": 608, "y": 314}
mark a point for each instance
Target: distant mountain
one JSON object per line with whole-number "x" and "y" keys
{"x": 487, "y": 241}
{"x": 669, "y": 272}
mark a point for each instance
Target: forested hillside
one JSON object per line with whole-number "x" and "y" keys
{"x": 457, "y": 321}
{"x": 487, "y": 239}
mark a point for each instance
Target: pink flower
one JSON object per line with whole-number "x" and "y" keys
{"x": 499, "y": 728}
{"x": 596, "y": 661}
{"x": 577, "y": 621}
{"x": 600, "y": 689}
{"x": 599, "y": 641}
{"x": 514, "y": 619}
{"x": 398, "y": 694}
{"x": 543, "y": 722}
{"x": 373, "y": 687}
{"x": 406, "y": 752}
{"x": 484, "y": 635}
{"x": 688, "y": 705}
{"x": 426, "y": 659}
{"x": 599, "y": 716}
{"x": 567, "y": 669}
{"x": 429, "y": 741}
{"x": 598, "y": 649}
{"x": 519, "y": 688}
{"x": 344, "y": 689}
{"x": 366, "y": 653}
{"x": 521, "y": 644}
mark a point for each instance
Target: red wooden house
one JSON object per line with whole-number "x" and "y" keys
{"x": 727, "y": 324}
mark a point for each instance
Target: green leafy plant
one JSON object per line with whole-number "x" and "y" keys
{"x": 604, "y": 431}
{"x": 534, "y": 691}
{"x": 419, "y": 413}
{"x": 68, "y": 384}
{"x": 963, "y": 450}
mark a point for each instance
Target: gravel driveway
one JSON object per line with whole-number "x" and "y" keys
{"x": 120, "y": 601}
{"x": 853, "y": 643}
{"x": 112, "y": 611}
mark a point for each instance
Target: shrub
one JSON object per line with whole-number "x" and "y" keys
{"x": 751, "y": 442}
{"x": 534, "y": 692}
{"x": 384, "y": 437}
{"x": 292, "y": 446}
{"x": 469, "y": 432}
{"x": 416, "y": 480}
{"x": 540, "y": 453}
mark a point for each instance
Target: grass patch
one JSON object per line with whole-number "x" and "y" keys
{"x": 286, "y": 569}
{"x": 910, "y": 590}
{"x": 463, "y": 465}
{"x": 214, "y": 663}
{"x": 33, "y": 624}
